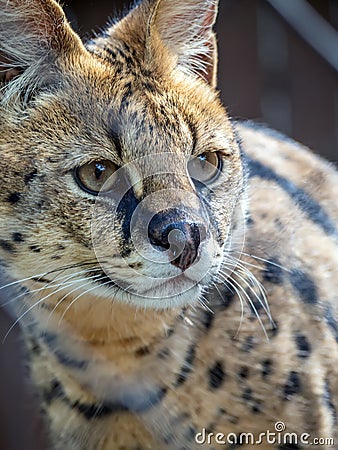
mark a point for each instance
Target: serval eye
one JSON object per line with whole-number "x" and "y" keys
{"x": 92, "y": 177}
{"x": 205, "y": 167}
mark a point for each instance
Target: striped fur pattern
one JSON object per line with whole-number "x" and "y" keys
{"x": 253, "y": 342}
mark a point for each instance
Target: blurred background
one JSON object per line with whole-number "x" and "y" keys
{"x": 278, "y": 63}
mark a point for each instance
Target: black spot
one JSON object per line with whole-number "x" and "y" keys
{"x": 14, "y": 197}
{"x": 247, "y": 395}
{"x": 207, "y": 319}
{"x": 221, "y": 298}
{"x": 170, "y": 332}
{"x": 227, "y": 298}
{"x": 91, "y": 412}
{"x": 35, "y": 248}
{"x": 54, "y": 392}
{"x": 331, "y": 321}
{"x": 292, "y": 386}
{"x": 248, "y": 344}
{"x": 164, "y": 353}
{"x": 249, "y": 221}
{"x": 139, "y": 404}
{"x": 34, "y": 347}
{"x": 30, "y": 176}
{"x": 243, "y": 372}
{"x": 304, "y": 286}
{"x": 143, "y": 351}
{"x": 273, "y": 331}
{"x": 41, "y": 280}
{"x": 233, "y": 419}
{"x": 273, "y": 273}
{"x": 256, "y": 409}
{"x": 7, "y": 246}
{"x": 67, "y": 361}
{"x": 309, "y": 206}
{"x": 190, "y": 433}
{"x": 328, "y": 401}
{"x": 216, "y": 375}
{"x": 17, "y": 237}
{"x": 266, "y": 367}
{"x": 252, "y": 402}
{"x": 50, "y": 339}
{"x": 137, "y": 265}
{"x": 237, "y": 441}
{"x": 167, "y": 437}
{"x": 187, "y": 366}
{"x": 303, "y": 346}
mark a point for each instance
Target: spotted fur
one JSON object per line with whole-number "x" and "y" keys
{"x": 254, "y": 341}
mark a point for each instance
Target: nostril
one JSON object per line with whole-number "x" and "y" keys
{"x": 177, "y": 241}
{"x": 181, "y": 239}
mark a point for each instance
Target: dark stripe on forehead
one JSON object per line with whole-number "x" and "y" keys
{"x": 193, "y": 132}
{"x": 124, "y": 214}
{"x": 114, "y": 137}
{"x": 313, "y": 210}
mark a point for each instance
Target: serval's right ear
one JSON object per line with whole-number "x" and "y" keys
{"x": 33, "y": 33}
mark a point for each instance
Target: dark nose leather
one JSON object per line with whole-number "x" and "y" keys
{"x": 170, "y": 230}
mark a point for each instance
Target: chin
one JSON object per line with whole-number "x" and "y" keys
{"x": 161, "y": 297}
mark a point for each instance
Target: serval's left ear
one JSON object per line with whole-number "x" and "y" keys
{"x": 33, "y": 33}
{"x": 185, "y": 27}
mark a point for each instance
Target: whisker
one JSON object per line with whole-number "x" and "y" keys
{"x": 239, "y": 295}
{"x": 95, "y": 277}
{"x": 264, "y": 260}
{"x": 241, "y": 261}
{"x": 81, "y": 295}
{"x": 49, "y": 285}
{"x": 246, "y": 272}
{"x": 263, "y": 304}
{"x": 43, "y": 274}
{"x": 250, "y": 302}
{"x": 30, "y": 308}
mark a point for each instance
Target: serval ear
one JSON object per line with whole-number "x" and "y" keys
{"x": 33, "y": 33}
{"x": 185, "y": 27}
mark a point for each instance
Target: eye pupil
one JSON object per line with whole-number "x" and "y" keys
{"x": 99, "y": 169}
{"x": 95, "y": 176}
{"x": 205, "y": 167}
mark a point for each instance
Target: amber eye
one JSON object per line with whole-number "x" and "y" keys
{"x": 205, "y": 167}
{"x": 92, "y": 177}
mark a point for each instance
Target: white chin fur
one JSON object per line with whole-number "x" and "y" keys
{"x": 153, "y": 299}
